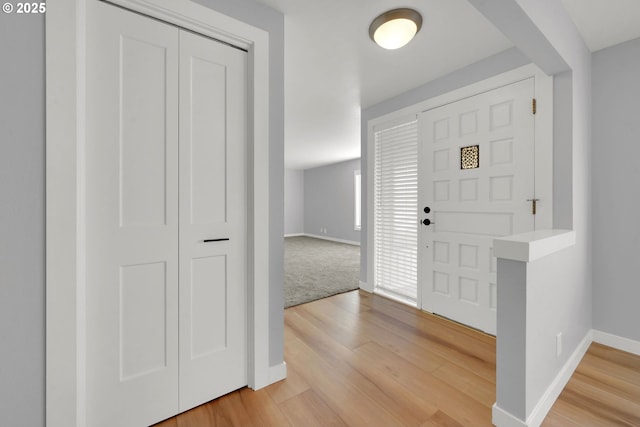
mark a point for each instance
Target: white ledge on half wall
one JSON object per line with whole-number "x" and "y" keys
{"x": 527, "y": 247}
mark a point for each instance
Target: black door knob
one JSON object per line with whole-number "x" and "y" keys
{"x": 426, "y": 221}
{"x": 427, "y": 209}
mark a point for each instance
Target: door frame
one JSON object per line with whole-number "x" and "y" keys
{"x": 65, "y": 187}
{"x": 543, "y": 90}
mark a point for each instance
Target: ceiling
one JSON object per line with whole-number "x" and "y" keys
{"x": 333, "y": 70}
{"x": 605, "y": 23}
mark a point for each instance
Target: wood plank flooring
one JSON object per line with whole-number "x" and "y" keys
{"x": 357, "y": 359}
{"x": 603, "y": 391}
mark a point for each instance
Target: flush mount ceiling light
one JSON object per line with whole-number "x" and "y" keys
{"x": 395, "y": 28}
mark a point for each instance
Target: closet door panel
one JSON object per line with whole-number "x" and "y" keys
{"x": 208, "y": 148}
{"x": 132, "y": 218}
{"x": 143, "y": 133}
{"x": 212, "y": 219}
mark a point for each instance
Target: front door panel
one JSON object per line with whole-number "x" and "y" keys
{"x": 476, "y": 174}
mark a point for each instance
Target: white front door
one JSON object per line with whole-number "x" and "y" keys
{"x": 476, "y": 174}
{"x": 165, "y": 168}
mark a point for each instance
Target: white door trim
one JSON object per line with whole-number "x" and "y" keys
{"x": 65, "y": 186}
{"x": 543, "y": 88}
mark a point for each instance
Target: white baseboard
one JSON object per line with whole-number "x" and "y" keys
{"x": 333, "y": 239}
{"x": 620, "y": 343}
{"x": 502, "y": 418}
{"x": 277, "y": 372}
{"x": 365, "y": 287}
{"x": 294, "y": 235}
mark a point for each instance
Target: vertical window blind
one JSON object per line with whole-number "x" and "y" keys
{"x": 396, "y": 212}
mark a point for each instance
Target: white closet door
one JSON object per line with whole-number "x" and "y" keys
{"x": 212, "y": 207}
{"x": 132, "y": 218}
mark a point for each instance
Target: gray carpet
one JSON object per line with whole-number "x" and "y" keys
{"x": 315, "y": 268}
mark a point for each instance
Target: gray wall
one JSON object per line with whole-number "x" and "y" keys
{"x": 22, "y": 235}
{"x": 329, "y": 200}
{"x": 22, "y": 209}
{"x": 526, "y": 352}
{"x": 562, "y": 150}
{"x": 481, "y": 70}
{"x": 293, "y": 201}
{"x": 616, "y": 198}
{"x": 556, "y": 302}
{"x": 512, "y": 320}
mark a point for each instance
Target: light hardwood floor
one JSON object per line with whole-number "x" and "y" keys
{"x": 603, "y": 391}
{"x": 357, "y": 359}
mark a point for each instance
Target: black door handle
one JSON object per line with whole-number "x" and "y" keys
{"x": 427, "y": 209}
{"x": 216, "y": 240}
{"x": 427, "y": 221}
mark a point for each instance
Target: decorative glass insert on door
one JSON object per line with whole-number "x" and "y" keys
{"x": 470, "y": 157}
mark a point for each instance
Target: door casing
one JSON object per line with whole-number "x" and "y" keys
{"x": 65, "y": 198}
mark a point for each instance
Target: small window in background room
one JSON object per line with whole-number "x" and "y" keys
{"x": 358, "y": 189}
